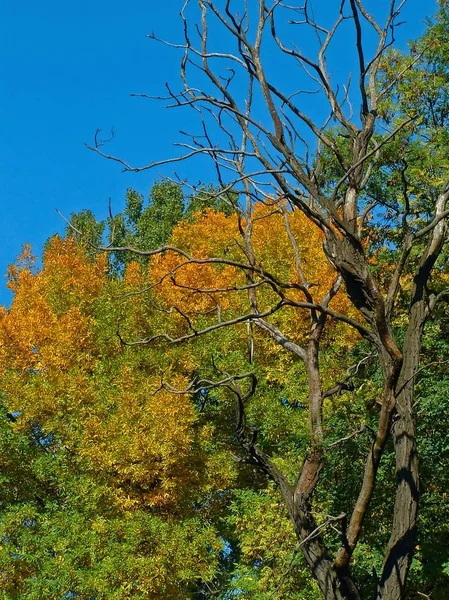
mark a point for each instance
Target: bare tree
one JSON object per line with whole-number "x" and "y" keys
{"x": 266, "y": 147}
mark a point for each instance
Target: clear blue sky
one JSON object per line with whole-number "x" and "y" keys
{"x": 67, "y": 69}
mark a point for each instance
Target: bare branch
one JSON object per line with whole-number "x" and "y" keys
{"x": 195, "y": 334}
{"x": 348, "y": 437}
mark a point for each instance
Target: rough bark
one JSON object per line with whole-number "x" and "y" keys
{"x": 320, "y": 562}
{"x": 334, "y": 584}
{"x": 399, "y": 552}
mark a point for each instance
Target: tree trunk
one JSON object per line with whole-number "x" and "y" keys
{"x": 319, "y": 561}
{"x": 392, "y": 585}
{"x": 399, "y": 553}
{"x": 335, "y": 584}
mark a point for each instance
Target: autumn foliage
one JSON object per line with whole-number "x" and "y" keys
{"x": 127, "y": 454}
{"x": 69, "y": 377}
{"x": 280, "y": 243}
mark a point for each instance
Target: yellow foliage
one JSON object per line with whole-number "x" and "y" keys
{"x": 46, "y": 325}
{"x": 107, "y": 407}
{"x": 288, "y": 253}
{"x": 105, "y": 402}
{"x": 142, "y": 438}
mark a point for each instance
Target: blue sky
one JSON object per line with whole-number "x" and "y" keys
{"x": 69, "y": 68}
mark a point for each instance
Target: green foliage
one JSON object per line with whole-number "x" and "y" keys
{"x": 146, "y": 226}
{"x": 72, "y": 539}
{"x": 269, "y": 563}
{"x": 86, "y": 227}
{"x": 114, "y": 488}
{"x": 121, "y": 479}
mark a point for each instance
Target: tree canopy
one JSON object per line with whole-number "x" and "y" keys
{"x": 223, "y": 391}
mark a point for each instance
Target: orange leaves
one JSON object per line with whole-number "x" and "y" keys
{"x": 27, "y": 325}
{"x": 70, "y": 278}
{"x": 103, "y": 402}
{"x": 63, "y": 367}
{"x": 290, "y": 246}
{"x": 284, "y": 244}
{"x": 209, "y": 234}
{"x": 46, "y": 335}
{"x": 24, "y": 263}
{"x": 71, "y": 342}
{"x": 46, "y": 325}
{"x": 196, "y": 287}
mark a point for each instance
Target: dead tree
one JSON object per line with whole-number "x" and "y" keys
{"x": 265, "y": 145}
